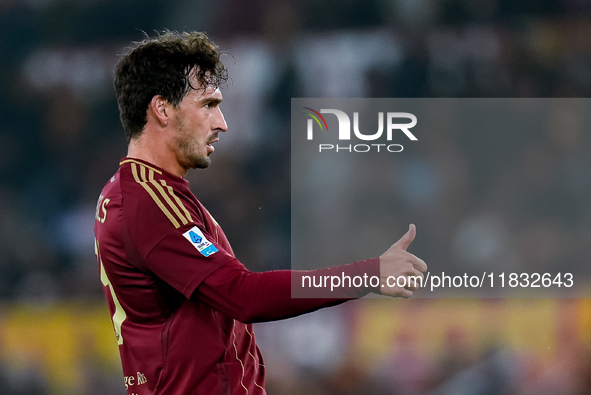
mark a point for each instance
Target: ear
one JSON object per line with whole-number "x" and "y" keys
{"x": 160, "y": 109}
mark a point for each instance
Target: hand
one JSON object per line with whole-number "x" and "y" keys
{"x": 399, "y": 267}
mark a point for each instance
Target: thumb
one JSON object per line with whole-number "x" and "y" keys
{"x": 407, "y": 238}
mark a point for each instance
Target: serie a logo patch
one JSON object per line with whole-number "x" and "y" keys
{"x": 198, "y": 240}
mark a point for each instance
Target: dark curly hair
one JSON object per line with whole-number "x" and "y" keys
{"x": 163, "y": 65}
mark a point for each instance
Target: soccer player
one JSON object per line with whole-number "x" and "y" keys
{"x": 182, "y": 304}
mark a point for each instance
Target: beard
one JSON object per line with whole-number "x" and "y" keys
{"x": 190, "y": 148}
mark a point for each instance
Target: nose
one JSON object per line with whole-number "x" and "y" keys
{"x": 219, "y": 121}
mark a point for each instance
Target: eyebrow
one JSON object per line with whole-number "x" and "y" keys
{"x": 212, "y": 100}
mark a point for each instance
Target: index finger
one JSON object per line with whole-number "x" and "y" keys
{"x": 419, "y": 264}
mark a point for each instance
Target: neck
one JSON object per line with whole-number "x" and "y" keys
{"x": 155, "y": 152}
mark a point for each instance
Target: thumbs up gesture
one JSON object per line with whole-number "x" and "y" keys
{"x": 400, "y": 271}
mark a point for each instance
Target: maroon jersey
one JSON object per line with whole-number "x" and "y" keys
{"x": 182, "y": 305}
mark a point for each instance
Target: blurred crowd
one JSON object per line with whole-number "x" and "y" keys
{"x": 60, "y": 137}
{"x": 474, "y": 347}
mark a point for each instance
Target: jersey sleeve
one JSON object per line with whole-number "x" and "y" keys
{"x": 267, "y": 296}
{"x": 185, "y": 257}
{"x": 189, "y": 260}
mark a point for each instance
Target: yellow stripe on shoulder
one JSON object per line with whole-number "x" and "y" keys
{"x": 139, "y": 163}
{"x": 177, "y": 200}
{"x": 140, "y": 178}
{"x": 163, "y": 194}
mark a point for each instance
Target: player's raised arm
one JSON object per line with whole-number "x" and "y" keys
{"x": 255, "y": 297}
{"x": 399, "y": 269}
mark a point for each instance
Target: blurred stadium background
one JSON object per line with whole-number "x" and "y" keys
{"x": 60, "y": 140}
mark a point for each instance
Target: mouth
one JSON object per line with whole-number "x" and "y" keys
{"x": 210, "y": 148}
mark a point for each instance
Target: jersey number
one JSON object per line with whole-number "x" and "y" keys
{"x": 119, "y": 316}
